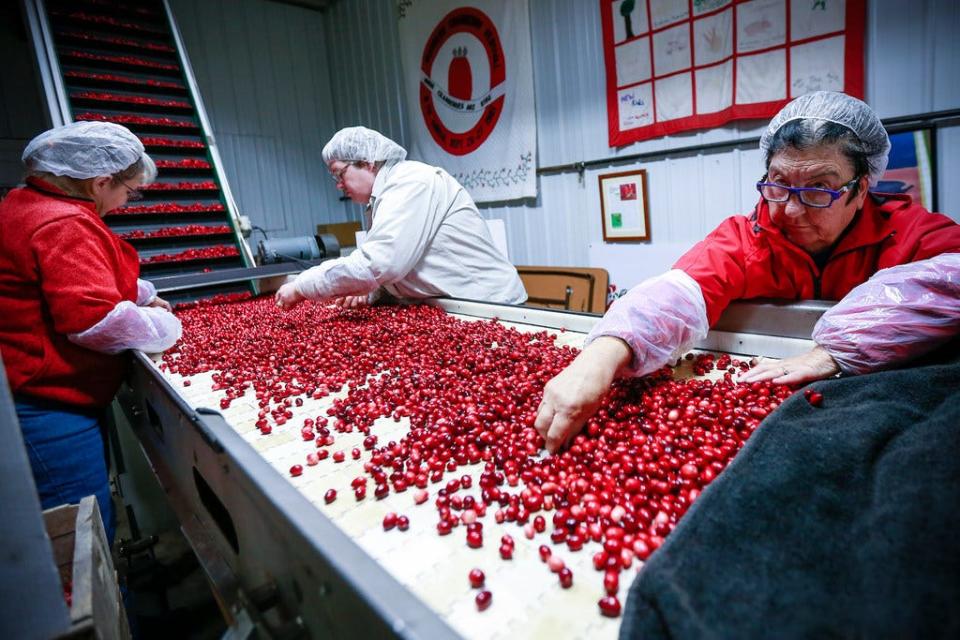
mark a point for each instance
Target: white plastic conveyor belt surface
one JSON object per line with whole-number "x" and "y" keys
{"x": 331, "y": 569}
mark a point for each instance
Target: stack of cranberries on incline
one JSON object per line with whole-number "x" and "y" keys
{"x": 119, "y": 63}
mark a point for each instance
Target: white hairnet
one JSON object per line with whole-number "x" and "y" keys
{"x": 87, "y": 150}
{"x": 359, "y": 144}
{"x": 839, "y": 108}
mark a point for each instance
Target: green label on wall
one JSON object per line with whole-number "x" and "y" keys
{"x": 616, "y": 220}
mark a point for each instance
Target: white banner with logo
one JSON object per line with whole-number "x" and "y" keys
{"x": 468, "y": 78}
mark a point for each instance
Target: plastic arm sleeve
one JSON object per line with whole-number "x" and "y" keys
{"x": 146, "y": 292}
{"x": 897, "y": 315}
{"x": 350, "y": 276}
{"x": 660, "y": 319}
{"x": 128, "y": 326}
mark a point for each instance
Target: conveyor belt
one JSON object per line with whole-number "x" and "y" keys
{"x": 124, "y": 62}
{"x": 331, "y": 568}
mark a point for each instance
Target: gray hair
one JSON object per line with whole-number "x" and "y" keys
{"x": 825, "y": 118}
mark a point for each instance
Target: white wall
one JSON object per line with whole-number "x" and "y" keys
{"x": 912, "y": 66}
{"x": 264, "y": 79}
{"x": 278, "y": 81}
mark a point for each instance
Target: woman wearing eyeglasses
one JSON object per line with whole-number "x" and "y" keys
{"x": 816, "y": 233}
{"x": 71, "y": 302}
{"x": 838, "y": 516}
{"x": 425, "y": 239}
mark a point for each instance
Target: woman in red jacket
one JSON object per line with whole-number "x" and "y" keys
{"x": 71, "y": 302}
{"x": 816, "y": 233}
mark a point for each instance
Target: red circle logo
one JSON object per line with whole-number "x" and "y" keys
{"x": 458, "y": 121}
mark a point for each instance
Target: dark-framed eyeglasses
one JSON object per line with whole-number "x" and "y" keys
{"x": 338, "y": 175}
{"x": 132, "y": 194}
{"x": 810, "y": 196}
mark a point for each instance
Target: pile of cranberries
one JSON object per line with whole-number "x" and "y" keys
{"x": 137, "y": 120}
{"x": 95, "y": 18}
{"x": 189, "y": 255}
{"x": 126, "y": 42}
{"x": 171, "y": 142}
{"x": 176, "y": 232}
{"x": 179, "y": 186}
{"x": 186, "y": 163}
{"x": 127, "y": 60}
{"x": 168, "y": 207}
{"x": 214, "y": 300}
{"x": 470, "y": 391}
{"x": 109, "y": 77}
{"x": 113, "y": 97}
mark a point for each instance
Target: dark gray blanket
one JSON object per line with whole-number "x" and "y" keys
{"x": 842, "y": 521}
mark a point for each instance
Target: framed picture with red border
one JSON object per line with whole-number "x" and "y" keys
{"x": 681, "y": 65}
{"x": 623, "y": 206}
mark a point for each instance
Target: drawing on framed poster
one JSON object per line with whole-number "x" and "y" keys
{"x": 623, "y": 206}
{"x": 680, "y": 65}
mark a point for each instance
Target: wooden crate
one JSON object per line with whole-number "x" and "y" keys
{"x": 82, "y": 556}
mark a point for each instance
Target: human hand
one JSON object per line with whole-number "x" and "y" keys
{"x": 815, "y": 364}
{"x": 287, "y": 296}
{"x": 350, "y": 302}
{"x": 160, "y": 302}
{"x": 574, "y": 395}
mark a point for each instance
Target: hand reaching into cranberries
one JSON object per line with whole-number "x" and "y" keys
{"x": 570, "y": 398}
{"x": 350, "y": 302}
{"x": 815, "y": 364}
{"x": 288, "y": 297}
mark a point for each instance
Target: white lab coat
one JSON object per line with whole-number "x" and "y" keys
{"x": 426, "y": 239}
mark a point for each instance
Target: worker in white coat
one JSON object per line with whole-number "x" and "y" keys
{"x": 425, "y": 239}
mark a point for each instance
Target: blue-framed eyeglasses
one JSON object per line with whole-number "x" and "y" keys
{"x": 810, "y": 196}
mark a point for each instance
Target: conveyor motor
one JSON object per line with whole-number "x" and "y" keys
{"x": 298, "y": 249}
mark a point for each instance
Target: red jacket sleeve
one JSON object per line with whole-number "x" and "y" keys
{"x": 717, "y": 264}
{"x": 77, "y": 273}
{"x": 921, "y": 235}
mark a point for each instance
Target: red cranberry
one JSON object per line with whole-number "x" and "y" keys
{"x": 296, "y": 470}
{"x": 474, "y": 539}
{"x": 330, "y": 496}
{"x": 506, "y": 551}
{"x": 611, "y": 582}
{"x": 539, "y": 524}
{"x": 483, "y": 600}
{"x": 545, "y": 552}
{"x": 476, "y": 578}
{"x": 338, "y": 456}
{"x": 389, "y": 521}
{"x": 566, "y": 577}
{"x": 609, "y": 606}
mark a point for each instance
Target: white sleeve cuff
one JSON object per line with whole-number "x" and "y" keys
{"x": 127, "y": 326}
{"x": 146, "y": 292}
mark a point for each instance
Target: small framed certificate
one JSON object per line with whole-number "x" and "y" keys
{"x": 623, "y": 206}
